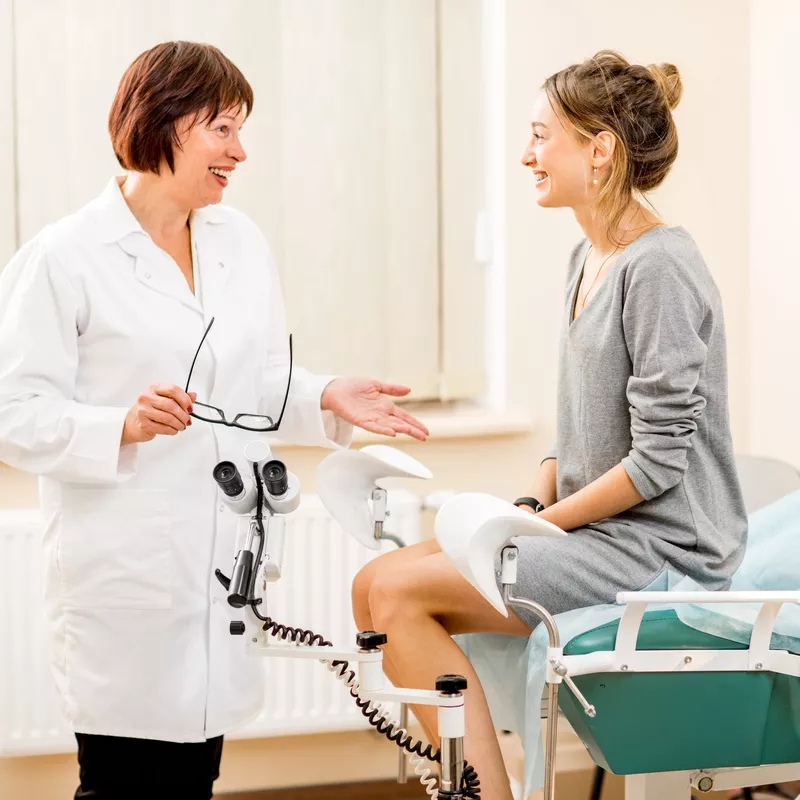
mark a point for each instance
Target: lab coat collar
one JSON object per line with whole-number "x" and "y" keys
{"x": 117, "y": 224}
{"x": 117, "y": 221}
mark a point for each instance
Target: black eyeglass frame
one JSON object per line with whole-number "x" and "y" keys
{"x": 274, "y": 426}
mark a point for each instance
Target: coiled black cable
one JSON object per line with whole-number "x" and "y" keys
{"x": 289, "y": 634}
{"x": 386, "y": 728}
{"x": 470, "y": 783}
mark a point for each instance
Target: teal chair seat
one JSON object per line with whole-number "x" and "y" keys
{"x": 666, "y": 721}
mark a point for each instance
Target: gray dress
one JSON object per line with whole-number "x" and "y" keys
{"x": 642, "y": 382}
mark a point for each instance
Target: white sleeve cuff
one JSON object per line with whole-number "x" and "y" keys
{"x": 95, "y": 453}
{"x": 305, "y": 423}
{"x": 337, "y": 431}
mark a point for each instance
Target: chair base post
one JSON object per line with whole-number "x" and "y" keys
{"x": 658, "y": 786}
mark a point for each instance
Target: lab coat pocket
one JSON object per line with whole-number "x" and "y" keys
{"x": 115, "y": 548}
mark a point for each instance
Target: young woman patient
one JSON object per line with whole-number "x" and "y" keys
{"x": 642, "y": 473}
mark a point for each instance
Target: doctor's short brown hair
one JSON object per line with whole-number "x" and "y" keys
{"x": 164, "y": 84}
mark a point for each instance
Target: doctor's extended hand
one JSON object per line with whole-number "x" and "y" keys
{"x": 161, "y": 409}
{"x": 363, "y": 403}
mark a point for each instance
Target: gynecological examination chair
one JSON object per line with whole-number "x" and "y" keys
{"x": 681, "y": 690}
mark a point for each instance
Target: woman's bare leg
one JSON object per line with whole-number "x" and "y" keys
{"x": 419, "y": 603}
{"x": 385, "y": 563}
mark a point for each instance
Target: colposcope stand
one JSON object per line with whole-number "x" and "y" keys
{"x": 271, "y": 495}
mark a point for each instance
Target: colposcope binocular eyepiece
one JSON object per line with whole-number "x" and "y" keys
{"x": 276, "y": 478}
{"x": 227, "y": 476}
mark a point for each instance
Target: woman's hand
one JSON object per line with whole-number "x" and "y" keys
{"x": 161, "y": 409}
{"x": 363, "y": 403}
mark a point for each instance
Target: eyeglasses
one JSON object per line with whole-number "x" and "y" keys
{"x": 249, "y": 422}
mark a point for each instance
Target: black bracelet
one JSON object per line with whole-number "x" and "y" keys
{"x": 529, "y": 501}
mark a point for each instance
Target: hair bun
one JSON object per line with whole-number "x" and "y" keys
{"x": 669, "y": 79}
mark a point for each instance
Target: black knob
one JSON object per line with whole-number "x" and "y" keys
{"x": 237, "y": 628}
{"x": 370, "y": 640}
{"x": 451, "y": 684}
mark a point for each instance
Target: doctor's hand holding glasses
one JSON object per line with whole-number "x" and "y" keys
{"x": 167, "y": 409}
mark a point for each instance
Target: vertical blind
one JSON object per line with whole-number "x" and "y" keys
{"x": 364, "y": 169}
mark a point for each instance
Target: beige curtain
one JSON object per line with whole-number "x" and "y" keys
{"x": 462, "y": 323}
{"x": 364, "y": 159}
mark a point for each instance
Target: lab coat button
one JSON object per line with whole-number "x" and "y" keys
{"x": 148, "y": 275}
{"x": 221, "y": 507}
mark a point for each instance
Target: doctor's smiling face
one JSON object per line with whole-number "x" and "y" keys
{"x": 209, "y": 150}
{"x": 176, "y": 121}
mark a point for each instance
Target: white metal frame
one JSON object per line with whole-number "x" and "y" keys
{"x": 626, "y": 658}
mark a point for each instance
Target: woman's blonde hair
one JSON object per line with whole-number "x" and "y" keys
{"x": 633, "y": 102}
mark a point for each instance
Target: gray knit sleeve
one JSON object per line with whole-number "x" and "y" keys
{"x": 551, "y": 453}
{"x": 663, "y": 316}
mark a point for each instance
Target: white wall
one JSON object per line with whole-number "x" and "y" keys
{"x": 774, "y": 282}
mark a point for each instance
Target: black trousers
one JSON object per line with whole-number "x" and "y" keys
{"x": 119, "y": 768}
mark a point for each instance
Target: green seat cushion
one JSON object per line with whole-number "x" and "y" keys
{"x": 664, "y": 721}
{"x": 660, "y": 630}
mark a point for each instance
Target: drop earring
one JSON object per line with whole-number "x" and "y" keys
{"x": 595, "y": 177}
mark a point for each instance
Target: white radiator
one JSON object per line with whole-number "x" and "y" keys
{"x": 314, "y": 592}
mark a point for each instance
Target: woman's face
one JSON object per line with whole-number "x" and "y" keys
{"x": 210, "y": 150}
{"x": 561, "y": 165}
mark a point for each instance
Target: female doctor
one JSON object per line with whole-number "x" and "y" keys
{"x": 100, "y": 317}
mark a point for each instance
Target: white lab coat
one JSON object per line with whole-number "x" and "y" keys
{"x": 91, "y": 313}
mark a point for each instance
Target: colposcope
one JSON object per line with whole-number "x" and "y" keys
{"x": 347, "y": 486}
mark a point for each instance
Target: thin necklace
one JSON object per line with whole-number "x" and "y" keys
{"x": 597, "y": 275}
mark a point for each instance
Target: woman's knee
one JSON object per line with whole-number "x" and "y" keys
{"x": 393, "y": 596}
{"x": 360, "y": 590}
{"x": 386, "y": 564}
